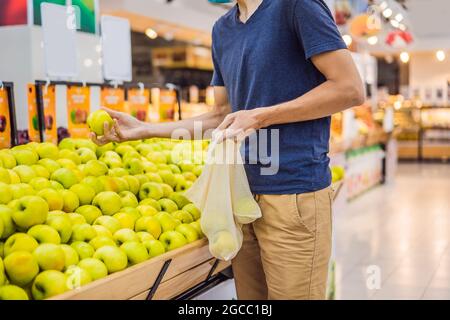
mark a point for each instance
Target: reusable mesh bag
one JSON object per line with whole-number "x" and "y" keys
{"x": 223, "y": 195}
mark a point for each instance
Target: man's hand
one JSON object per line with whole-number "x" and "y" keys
{"x": 241, "y": 124}
{"x": 125, "y": 128}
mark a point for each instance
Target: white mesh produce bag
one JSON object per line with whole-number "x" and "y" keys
{"x": 223, "y": 195}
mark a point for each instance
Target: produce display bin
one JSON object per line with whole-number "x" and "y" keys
{"x": 163, "y": 277}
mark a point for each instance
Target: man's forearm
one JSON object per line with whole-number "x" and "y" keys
{"x": 208, "y": 121}
{"x": 323, "y": 101}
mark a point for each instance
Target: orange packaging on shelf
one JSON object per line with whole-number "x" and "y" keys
{"x": 5, "y": 125}
{"x": 78, "y": 107}
{"x": 138, "y": 103}
{"x": 167, "y": 103}
{"x": 113, "y": 98}
{"x": 33, "y": 120}
{"x": 48, "y": 97}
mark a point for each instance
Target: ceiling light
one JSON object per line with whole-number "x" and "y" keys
{"x": 372, "y": 40}
{"x": 404, "y": 57}
{"x": 399, "y": 17}
{"x": 383, "y": 5}
{"x": 395, "y": 23}
{"x": 347, "y": 39}
{"x": 402, "y": 27}
{"x": 440, "y": 55}
{"x": 152, "y": 34}
{"x": 387, "y": 13}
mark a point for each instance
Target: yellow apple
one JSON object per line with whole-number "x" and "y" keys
{"x": 70, "y": 199}
{"x": 136, "y": 252}
{"x": 89, "y": 212}
{"x": 94, "y": 267}
{"x": 50, "y": 256}
{"x": 44, "y": 234}
{"x": 19, "y": 242}
{"x": 47, "y": 150}
{"x": 53, "y": 198}
{"x": 11, "y": 292}
{"x": 25, "y": 173}
{"x": 76, "y": 218}
{"x": 84, "y": 192}
{"x": 70, "y": 256}
{"x": 111, "y": 223}
{"x": 154, "y": 247}
{"x": 97, "y": 120}
{"x": 83, "y": 249}
{"x": 114, "y": 259}
{"x": 108, "y": 202}
{"x": 21, "y": 267}
{"x": 29, "y": 211}
{"x": 77, "y": 277}
{"x": 65, "y": 176}
{"x": 124, "y": 235}
{"x": 50, "y": 165}
{"x": 83, "y": 232}
{"x": 101, "y": 241}
{"x": 172, "y": 240}
{"x": 150, "y": 225}
{"x": 48, "y": 284}
{"x": 102, "y": 231}
{"x": 6, "y": 194}
{"x": 40, "y": 171}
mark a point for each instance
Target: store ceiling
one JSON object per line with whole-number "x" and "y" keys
{"x": 430, "y": 18}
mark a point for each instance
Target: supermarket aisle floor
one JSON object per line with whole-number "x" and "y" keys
{"x": 398, "y": 234}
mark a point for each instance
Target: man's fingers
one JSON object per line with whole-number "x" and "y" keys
{"x": 109, "y": 133}
{"x": 117, "y": 129}
{"x": 100, "y": 141}
{"x": 225, "y": 123}
{"x": 112, "y": 113}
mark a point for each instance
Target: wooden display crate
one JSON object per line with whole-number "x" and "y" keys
{"x": 170, "y": 274}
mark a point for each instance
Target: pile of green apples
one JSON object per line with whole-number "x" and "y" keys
{"x": 74, "y": 213}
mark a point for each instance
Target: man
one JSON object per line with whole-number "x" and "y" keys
{"x": 280, "y": 65}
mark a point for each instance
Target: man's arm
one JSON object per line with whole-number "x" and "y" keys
{"x": 127, "y": 127}
{"x": 342, "y": 89}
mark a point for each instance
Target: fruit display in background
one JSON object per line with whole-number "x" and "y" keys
{"x": 74, "y": 213}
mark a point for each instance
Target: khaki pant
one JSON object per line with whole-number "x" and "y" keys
{"x": 285, "y": 254}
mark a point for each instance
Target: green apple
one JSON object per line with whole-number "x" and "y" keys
{"x": 83, "y": 249}
{"x": 11, "y": 292}
{"x": 107, "y": 147}
{"x": 128, "y": 199}
{"x": 83, "y": 232}
{"x": 151, "y": 202}
{"x": 127, "y": 220}
{"x": 95, "y": 168}
{"x": 154, "y": 247}
{"x": 144, "y": 236}
{"x": 110, "y": 161}
{"x": 167, "y": 190}
{"x": 65, "y": 176}
{"x": 21, "y": 190}
{"x": 25, "y": 173}
{"x": 49, "y": 164}
{"x": 108, "y": 202}
{"x": 223, "y": 244}
{"x": 5, "y": 176}
{"x": 189, "y": 176}
{"x": 150, "y": 225}
{"x": 29, "y": 211}
{"x": 102, "y": 231}
{"x": 48, "y": 284}
{"x": 94, "y": 267}
{"x": 168, "y": 177}
{"x": 122, "y": 184}
{"x": 94, "y": 183}
{"x": 50, "y": 256}
{"x": 168, "y": 205}
{"x": 7, "y": 158}
{"x": 196, "y": 225}
{"x": 183, "y": 216}
{"x": 114, "y": 259}
{"x": 188, "y": 232}
{"x": 110, "y": 223}
{"x": 174, "y": 168}
{"x": 132, "y": 155}
{"x": 77, "y": 277}
{"x": 44, "y": 234}
{"x": 85, "y": 143}
{"x": 39, "y": 183}
{"x": 84, "y": 192}
{"x": 151, "y": 190}
{"x": 53, "y": 198}
{"x": 97, "y": 120}
{"x": 70, "y": 256}
{"x": 70, "y": 199}
{"x": 89, "y": 212}
{"x": 133, "y": 166}
{"x": 6, "y": 194}
{"x": 123, "y": 149}
{"x": 193, "y": 210}
{"x": 56, "y": 185}
{"x": 146, "y": 210}
{"x": 40, "y": 171}
{"x": 149, "y": 167}
{"x": 21, "y": 267}
{"x": 19, "y": 242}
{"x": 154, "y": 177}
{"x": 117, "y": 172}
{"x": 76, "y": 218}
{"x": 7, "y": 221}
{"x": 86, "y": 155}
{"x": 136, "y": 252}
{"x": 69, "y": 154}
{"x": 47, "y": 150}
{"x": 144, "y": 148}
{"x": 101, "y": 241}
{"x": 172, "y": 240}
{"x": 67, "y": 164}
{"x": 67, "y": 143}
{"x": 24, "y": 156}
{"x": 133, "y": 183}
{"x": 157, "y": 157}
{"x": 142, "y": 179}
{"x": 179, "y": 199}
{"x": 124, "y": 235}
{"x": 167, "y": 222}
{"x": 13, "y": 177}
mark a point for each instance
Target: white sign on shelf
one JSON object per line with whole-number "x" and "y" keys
{"x": 116, "y": 48}
{"x": 59, "y": 35}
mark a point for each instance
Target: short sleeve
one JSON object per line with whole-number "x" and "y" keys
{"x": 316, "y": 28}
{"x": 217, "y": 79}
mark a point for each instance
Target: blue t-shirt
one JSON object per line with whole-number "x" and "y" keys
{"x": 266, "y": 61}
